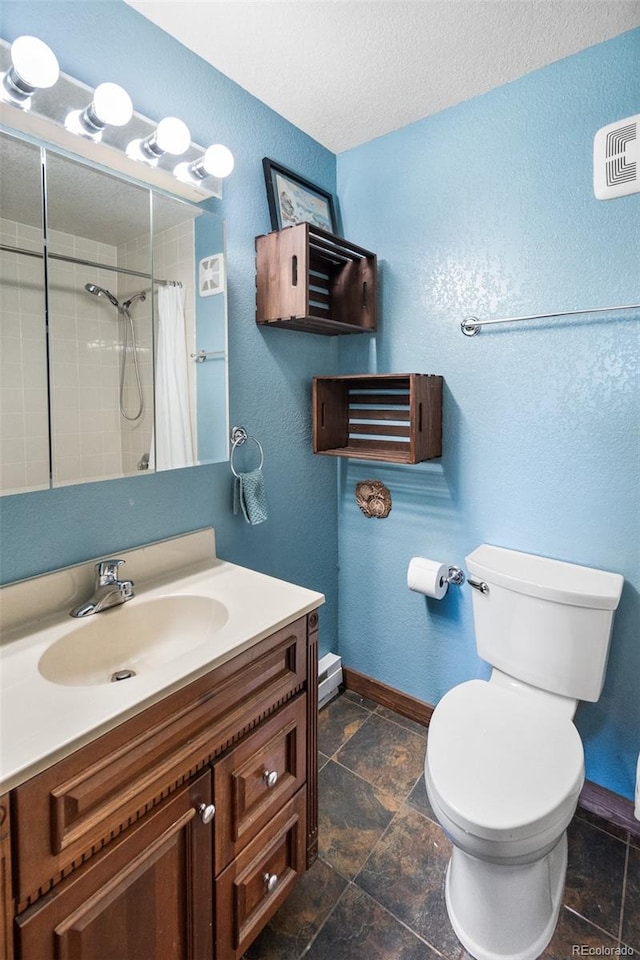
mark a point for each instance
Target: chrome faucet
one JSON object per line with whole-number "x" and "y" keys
{"x": 109, "y": 591}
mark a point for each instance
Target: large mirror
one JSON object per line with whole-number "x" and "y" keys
{"x": 113, "y": 325}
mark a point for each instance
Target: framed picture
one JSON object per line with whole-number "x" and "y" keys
{"x": 292, "y": 199}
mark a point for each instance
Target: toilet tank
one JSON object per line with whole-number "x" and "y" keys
{"x": 545, "y": 622}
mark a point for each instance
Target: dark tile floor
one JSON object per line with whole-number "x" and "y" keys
{"x": 376, "y": 891}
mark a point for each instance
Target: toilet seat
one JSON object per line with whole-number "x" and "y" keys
{"x": 499, "y": 765}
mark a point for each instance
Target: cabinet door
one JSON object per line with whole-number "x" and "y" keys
{"x": 6, "y": 902}
{"x": 148, "y": 896}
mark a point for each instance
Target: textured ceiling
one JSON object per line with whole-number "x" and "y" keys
{"x": 346, "y": 71}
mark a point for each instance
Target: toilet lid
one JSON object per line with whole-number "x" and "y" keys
{"x": 500, "y": 765}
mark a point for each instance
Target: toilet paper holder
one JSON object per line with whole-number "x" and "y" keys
{"x": 432, "y": 577}
{"x": 455, "y": 576}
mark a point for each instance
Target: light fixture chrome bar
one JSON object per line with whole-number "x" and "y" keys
{"x": 471, "y": 326}
{"x": 6, "y": 248}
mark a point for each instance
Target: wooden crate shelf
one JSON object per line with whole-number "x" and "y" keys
{"x": 307, "y": 279}
{"x": 396, "y": 417}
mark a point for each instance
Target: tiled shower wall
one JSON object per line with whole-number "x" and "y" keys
{"x": 24, "y": 452}
{"x": 84, "y": 338}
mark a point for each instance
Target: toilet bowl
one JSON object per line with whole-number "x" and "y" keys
{"x": 503, "y": 777}
{"x": 504, "y": 772}
{"x": 505, "y": 764}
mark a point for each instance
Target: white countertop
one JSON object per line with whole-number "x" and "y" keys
{"x": 42, "y": 722}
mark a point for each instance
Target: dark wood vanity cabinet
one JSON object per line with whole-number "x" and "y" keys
{"x": 146, "y": 895}
{"x": 6, "y": 903}
{"x": 115, "y": 849}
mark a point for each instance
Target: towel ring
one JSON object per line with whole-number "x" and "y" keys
{"x": 239, "y": 436}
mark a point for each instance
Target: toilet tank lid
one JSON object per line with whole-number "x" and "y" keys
{"x": 543, "y": 577}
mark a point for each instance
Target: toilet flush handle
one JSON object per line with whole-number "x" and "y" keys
{"x": 478, "y": 585}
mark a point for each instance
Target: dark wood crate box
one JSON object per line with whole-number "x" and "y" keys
{"x": 307, "y": 279}
{"x": 395, "y": 417}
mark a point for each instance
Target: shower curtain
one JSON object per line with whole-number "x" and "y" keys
{"x": 174, "y": 445}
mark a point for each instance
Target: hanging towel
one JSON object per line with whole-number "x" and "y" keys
{"x": 249, "y": 493}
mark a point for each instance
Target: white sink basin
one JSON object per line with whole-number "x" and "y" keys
{"x": 135, "y": 636}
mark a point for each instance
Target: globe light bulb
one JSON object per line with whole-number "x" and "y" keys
{"x": 33, "y": 67}
{"x": 111, "y": 106}
{"x": 170, "y": 136}
{"x": 217, "y": 161}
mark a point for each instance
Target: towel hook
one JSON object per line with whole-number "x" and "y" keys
{"x": 239, "y": 436}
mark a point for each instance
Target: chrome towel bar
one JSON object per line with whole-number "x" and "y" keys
{"x": 471, "y": 326}
{"x": 202, "y": 355}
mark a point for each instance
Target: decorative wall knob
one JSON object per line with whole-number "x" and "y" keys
{"x": 207, "y": 812}
{"x": 373, "y": 498}
{"x": 270, "y": 882}
{"x": 270, "y": 777}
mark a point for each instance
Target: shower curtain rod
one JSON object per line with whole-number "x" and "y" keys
{"x": 471, "y": 326}
{"x": 5, "y": 248}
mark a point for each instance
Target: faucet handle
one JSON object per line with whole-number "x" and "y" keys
{"x": 107, "y": 571}
{"x": 126, "y": 589}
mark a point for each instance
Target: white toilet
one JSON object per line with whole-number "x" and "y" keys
{"x": 504, "y": 764}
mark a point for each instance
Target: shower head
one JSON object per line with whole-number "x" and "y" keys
{"x": 100, "y": 291}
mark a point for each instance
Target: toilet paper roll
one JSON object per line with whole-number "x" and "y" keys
{"x": 428, "y": 577}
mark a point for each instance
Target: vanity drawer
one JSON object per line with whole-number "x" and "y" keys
{"x": 67, "y": 813}
{"x": 260, "y": 879}
{"x": 254, "y": 780}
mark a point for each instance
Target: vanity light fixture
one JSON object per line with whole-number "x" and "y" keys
{"x": 217, "y": 161}
{"x": 111, "y": 106}
{"x": 33, "y": 67}
{"x": 170, "y": 136}
{"x": 101, "y": 126}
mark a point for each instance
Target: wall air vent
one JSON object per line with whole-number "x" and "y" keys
{"x": 616, "y": 159}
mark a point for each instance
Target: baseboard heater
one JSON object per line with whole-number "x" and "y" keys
{"x": 329, "y": 678}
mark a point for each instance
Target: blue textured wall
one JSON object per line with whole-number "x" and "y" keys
{"x": 270, "y": 371}
{"x": 488, "y": 209}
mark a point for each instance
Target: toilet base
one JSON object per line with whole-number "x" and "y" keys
{"x": 504, "y": 912}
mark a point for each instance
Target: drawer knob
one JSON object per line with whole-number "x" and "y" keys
{"x": 207, "y": 812}
{"x": 270, "y": 777}
{"x": 270, "y": 882}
